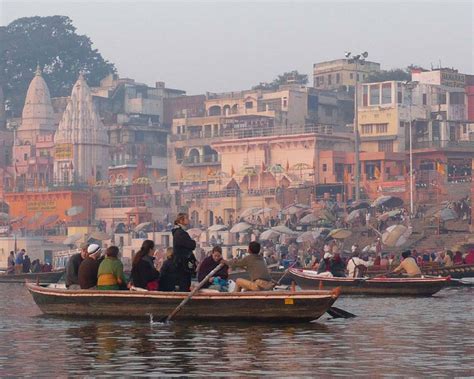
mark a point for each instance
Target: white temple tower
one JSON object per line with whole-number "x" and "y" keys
{"x": 38, "y": 115}
{"x": 81, "y": 143}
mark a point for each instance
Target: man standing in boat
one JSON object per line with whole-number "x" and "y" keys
{"x": 183, "y": 256}
{"x": 254, "y": 264}
{"x": 408, "y": 265}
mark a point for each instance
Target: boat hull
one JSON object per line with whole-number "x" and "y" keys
{"x": 277, "y": 306}
{"x": 41, "y": 277}
{"x": 455, "y": 272}
{"x": 307, "y": 280}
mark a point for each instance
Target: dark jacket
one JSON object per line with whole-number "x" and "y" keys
{"x": 338, "y": 267}
{"x": 143, "y": 272}
{"x": 72, "y": 269}
{"x": 168, "y": 277}
{"x": 183, "y": 246}
{"x": 87, "y": 275}
{"x": 209, "y": 264}
{"x": 26, "y": 264}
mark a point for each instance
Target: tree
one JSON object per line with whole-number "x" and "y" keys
{"x": 292, "y": 77}
{"x": 51, "y": 42}
{"x": 387, "y": 75}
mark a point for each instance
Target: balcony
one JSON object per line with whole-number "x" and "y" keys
{"x": 456, "y": 145}
{"x": 249, "y": 132}
{"x": 202, "y": 160}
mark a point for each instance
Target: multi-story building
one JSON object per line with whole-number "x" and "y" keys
{"x": 341, "y": 73}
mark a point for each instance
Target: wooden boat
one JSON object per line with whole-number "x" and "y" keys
{"x": 308, "y": 280}
{"x": 41, "y": 277}
{"x": 275, "y": 275}
{"x": 455, "y": 272}
{"x": 281, "y": 306}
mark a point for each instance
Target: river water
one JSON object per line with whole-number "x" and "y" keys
{"x": 413, "y": 337}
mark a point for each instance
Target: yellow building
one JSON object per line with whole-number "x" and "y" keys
{"x": 341, "y": 73}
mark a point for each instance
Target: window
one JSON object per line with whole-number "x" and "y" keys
{"x": 25, "y": 157}
{"x": 386, "y": 93}
{"x": 328, "y": 112}
{"x": 386, "y": 146}
{"x": 351, "y": 75}
{"x": 365, "y": 91}
{"x": 381, "y": 128}
{"x": 285, "y": 102}
{"x": 248, "y": 104}
{"x": 442, "y": 98}
{"x": 338, "y": 78}
{"x": 399, "y": 97}
{"x": 374, "y": 95}
{"x": 424, "y": 99}
{"x": 367, "y": 129}
{"x": 325, "y": 167}
{"x": 329, "y": 79}
{"x": 358, "y": 77}
{"x": 456, "y": 98}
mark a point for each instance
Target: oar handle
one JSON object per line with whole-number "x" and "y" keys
{"x": 287, "y": 271}
{"x": 197, "y": 288}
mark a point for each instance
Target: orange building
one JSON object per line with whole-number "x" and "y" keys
{"x": 44, "y": 209}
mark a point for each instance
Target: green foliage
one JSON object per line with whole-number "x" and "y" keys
{"x": 51, "y": 42}
{"x": 292, "y": 77}
{"x": 387, "y": 75}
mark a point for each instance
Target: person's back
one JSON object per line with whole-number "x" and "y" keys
{"x": 26, "y": 264}
{"x": 408, "y": 265}
{"x": 143, "y": 273}
{"x": 72, "y": 269}
{"x": 338, "y": 268}
{"x": 168, "y": 275}
{"x": 110, "y": 274}
{"x": 89, "y": 267}
{"x": 458, "y": 259}
{"x": 87, "y": 275}
{"x": 469, "y": 259}
{"x": 356, "y": 267}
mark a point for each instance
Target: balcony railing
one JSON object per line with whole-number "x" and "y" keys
{"x": 202, "y": 160}
{"x": 468, "y": 145}
{"x": 249, "y": 132}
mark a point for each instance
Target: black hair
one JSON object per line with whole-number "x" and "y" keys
{"x": 254, "y": 247}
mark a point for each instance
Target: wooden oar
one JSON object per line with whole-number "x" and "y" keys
{"x": 197, "y": 288}
{"x": 339, "y": 313}
{"x": 286, "y": 272}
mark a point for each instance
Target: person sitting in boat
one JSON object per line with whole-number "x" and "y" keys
{"x": 469, "y": 258}
{"x": 408, "y": 265}
{"x": 72, "y": 267}
{"x": 254, "y": 264}
{"x": 144, "y": 273}
{"x": 110, "y": 275}
{"x": 324, "y": 268}
{"x": 458, "y": 259}
{"x": 210, "y": 263}
{"x": 36, "y": 266}
{"x": 19, "y": 261}
{"x": 168, "y": 272}
{"x": 448, "y": 259}
{"x": 337, "y": 266}
{"x": 356, "y": 267}
{"x": 89, "y": 268}
{"x": 11, "y": 263}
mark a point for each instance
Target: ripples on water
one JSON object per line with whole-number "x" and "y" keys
{"x": 392, "y": 336}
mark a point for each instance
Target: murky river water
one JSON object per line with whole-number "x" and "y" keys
{"x": 390, "y": 337}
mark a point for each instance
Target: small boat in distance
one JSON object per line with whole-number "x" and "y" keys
{"x": 381, "y": 286}
{"x": 40, "y": 277}
{"x": 268, "y": 306}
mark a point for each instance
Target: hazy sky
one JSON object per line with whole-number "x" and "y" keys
{"x": 221, "y": 46}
